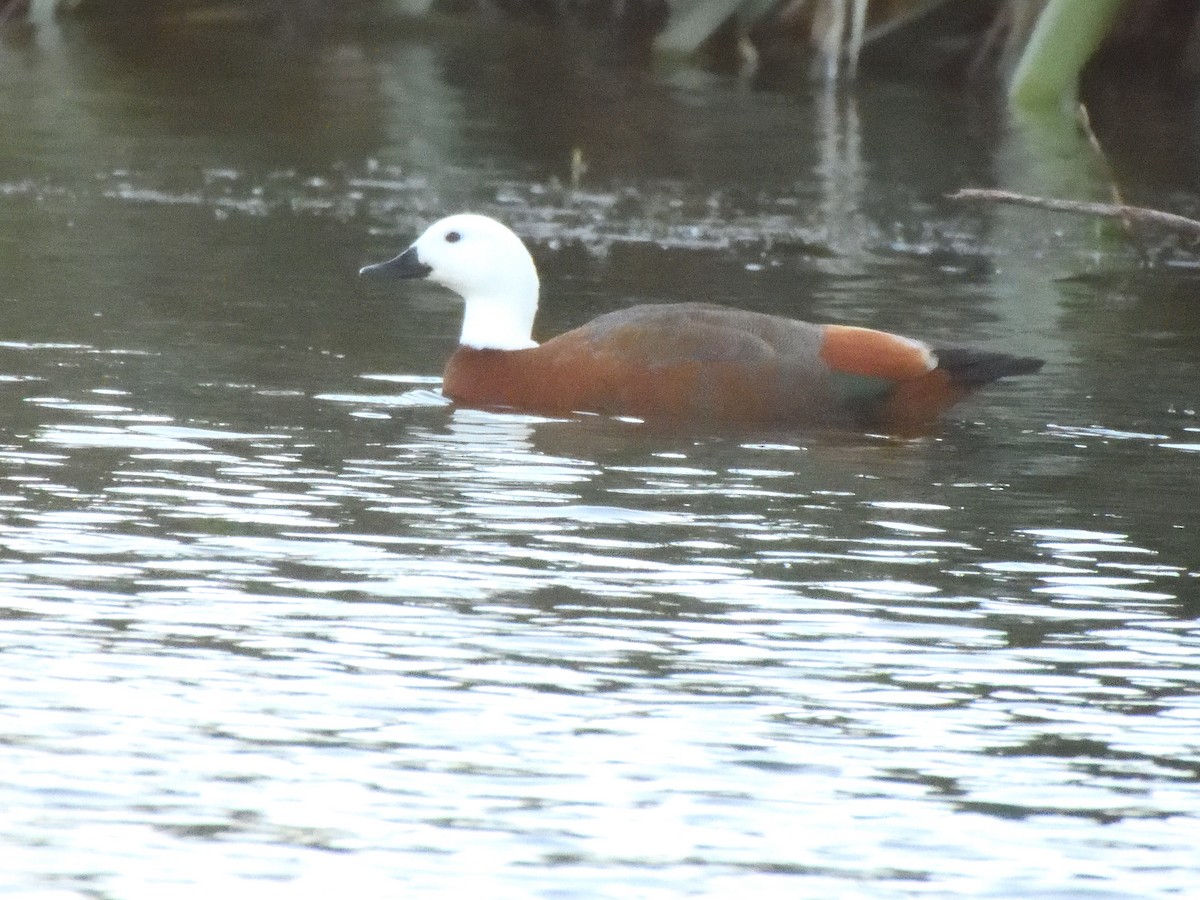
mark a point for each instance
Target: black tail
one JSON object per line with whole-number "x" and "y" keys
{"x": 972, "y": 368}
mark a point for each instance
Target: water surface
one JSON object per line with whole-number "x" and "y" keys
{"x": 276, "y": 615}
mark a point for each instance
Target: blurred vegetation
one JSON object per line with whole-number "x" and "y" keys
{"x": 1038, "y": 49}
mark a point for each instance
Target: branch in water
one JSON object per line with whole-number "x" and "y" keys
{"x": 1079, "y": 207}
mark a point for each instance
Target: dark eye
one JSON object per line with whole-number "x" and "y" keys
{"x": 453, "y": 237}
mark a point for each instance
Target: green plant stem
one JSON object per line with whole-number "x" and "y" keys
{"x": 1066, "y": 35}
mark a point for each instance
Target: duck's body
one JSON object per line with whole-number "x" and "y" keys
{"x": 685, "y": 362}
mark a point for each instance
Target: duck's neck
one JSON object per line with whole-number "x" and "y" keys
{"x": 499, "y": 323}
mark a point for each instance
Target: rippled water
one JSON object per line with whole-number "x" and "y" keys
{"x": 277, "y": 617}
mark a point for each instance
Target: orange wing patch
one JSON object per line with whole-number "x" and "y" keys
{"x": 876, "y": 354}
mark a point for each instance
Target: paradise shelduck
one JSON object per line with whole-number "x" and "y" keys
{"x": 679, "y": 362}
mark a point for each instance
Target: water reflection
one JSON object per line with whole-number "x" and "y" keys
{"x": 521, "y": 639}
{"x": 515, "y": 503}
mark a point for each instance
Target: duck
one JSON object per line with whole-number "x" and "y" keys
{"x": 693, "y": 362}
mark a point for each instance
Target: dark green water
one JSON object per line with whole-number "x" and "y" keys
{"x": 276, "y": 617}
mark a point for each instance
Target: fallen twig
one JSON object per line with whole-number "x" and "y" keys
{"x": 1079, "y": 207}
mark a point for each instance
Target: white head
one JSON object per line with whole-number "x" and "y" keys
{"x": 484, "y": 263}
